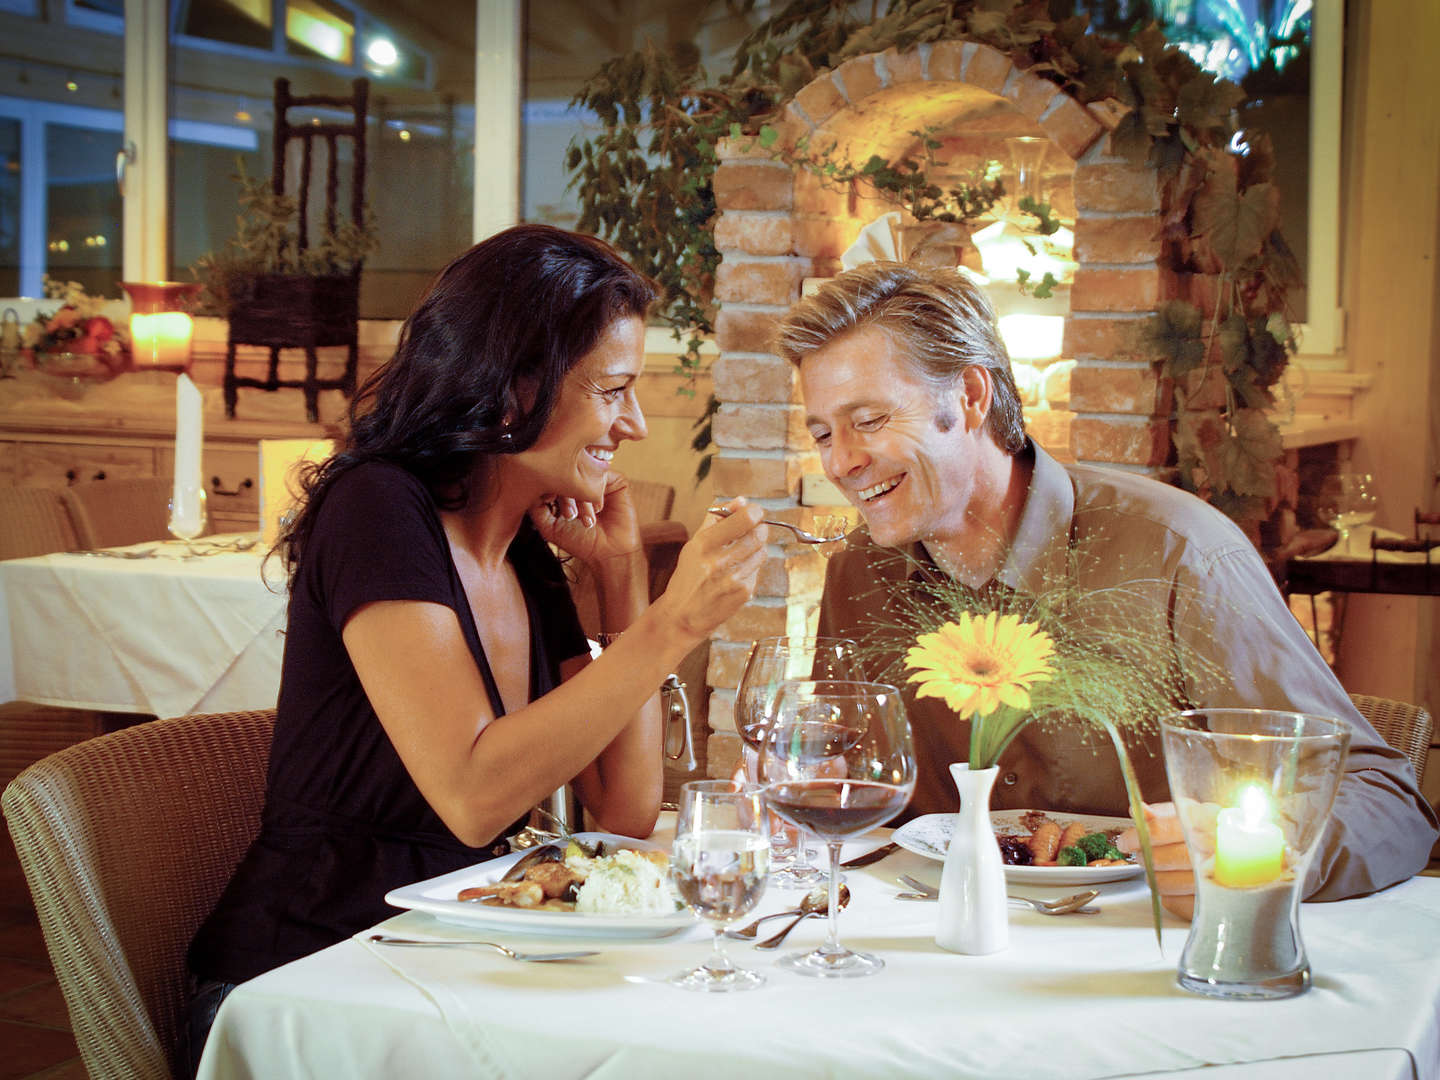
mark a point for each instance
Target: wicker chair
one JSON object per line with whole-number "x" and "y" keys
{"x": 127, "y": 841}
{"x": 113, "y": 513}
{"x": 35, "y": 521}
{"x": 1405, "y": 727}
{"x": 653, "y": 500}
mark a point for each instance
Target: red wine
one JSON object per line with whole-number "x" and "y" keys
{"x": 836, "y": 809}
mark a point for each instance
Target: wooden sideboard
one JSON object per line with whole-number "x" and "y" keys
{"x": 116, "y": 430}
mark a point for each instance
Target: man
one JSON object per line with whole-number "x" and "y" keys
{"x": 911, "y": 403}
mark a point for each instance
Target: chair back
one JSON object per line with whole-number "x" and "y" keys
{"x": 127, "y": 841}
{"x": 35, "y": 521}
{"x": 1405, "y": 727}
{"x": 113, "y": 513}
{"x": 652, "y": 500}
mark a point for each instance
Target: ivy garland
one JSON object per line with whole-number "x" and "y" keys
{"x": 645, "y": 183}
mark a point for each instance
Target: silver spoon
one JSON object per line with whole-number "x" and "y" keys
{"x": 804, "y": 536}
{"x": 813, "y": 901}
{"x": 823, "y": 909}
{"x": 531, "y": 957}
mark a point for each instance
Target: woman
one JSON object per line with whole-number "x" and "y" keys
{"x": 436, "y": 683}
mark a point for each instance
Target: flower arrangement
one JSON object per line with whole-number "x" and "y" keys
{"x": 1088, "y": 647}
{"x": 79, "y": 328}
{"x": 980, "y": 665}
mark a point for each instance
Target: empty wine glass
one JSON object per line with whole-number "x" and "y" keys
{"x": 1350, "y": 500}
{"x": 838, "y": 761}
{"x": 771, "y": 662}
{"x": 187, "y": 516}
{"x": 719, "y": 863}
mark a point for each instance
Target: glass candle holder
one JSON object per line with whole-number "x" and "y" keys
{"x": 1253, "y": 789}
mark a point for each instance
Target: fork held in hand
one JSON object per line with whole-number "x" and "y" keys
{"x": 802, "y": 535}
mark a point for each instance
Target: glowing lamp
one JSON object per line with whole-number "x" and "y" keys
{"x": 160, "y": 330}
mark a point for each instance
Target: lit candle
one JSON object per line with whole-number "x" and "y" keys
{"x": 160, "y": 332}
{"x": 161, "y": 339}
{"x": 1249, "y": 847}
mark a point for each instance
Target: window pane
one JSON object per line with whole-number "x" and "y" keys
{"x": 9, "y": 207}
{"x": 236, "y": 22}
{"x": 82, "y": 218}
{"x": 419, "y": 137}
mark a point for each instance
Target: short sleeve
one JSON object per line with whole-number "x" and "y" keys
{"x": 377, "y": 537}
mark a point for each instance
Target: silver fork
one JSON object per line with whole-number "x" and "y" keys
{"x": 531, "y": 957}
{"x": 802, "y": 535}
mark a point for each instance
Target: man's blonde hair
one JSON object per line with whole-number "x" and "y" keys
{"x": 940, "y": 320}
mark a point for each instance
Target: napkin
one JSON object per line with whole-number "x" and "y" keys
{"x": 876, "y": 243}
{"x": 187, "y": 506}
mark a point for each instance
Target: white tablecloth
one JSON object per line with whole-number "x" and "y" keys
{"x": 165, "y": 635}
{"x": 1071, "y": 998}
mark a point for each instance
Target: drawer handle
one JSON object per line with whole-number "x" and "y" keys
{"x": 73, "y": 474}
{"x": 218, "y": 490}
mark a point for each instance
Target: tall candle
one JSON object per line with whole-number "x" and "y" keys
{"x": 1249, "y": 847}
{"x": 187, "y": 508}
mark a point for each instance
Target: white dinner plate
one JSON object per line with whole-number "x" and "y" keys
{"x": 930, "y": 836}
{"x": 437, "y": 897}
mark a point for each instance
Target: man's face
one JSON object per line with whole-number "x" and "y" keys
{"x": 898, "y": 448}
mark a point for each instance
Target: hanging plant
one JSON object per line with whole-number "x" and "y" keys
{"x": 646, "y": 184}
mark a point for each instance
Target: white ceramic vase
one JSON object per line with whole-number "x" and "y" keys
{"x": 974, "y": 917}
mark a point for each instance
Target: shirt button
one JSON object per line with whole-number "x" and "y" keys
{"x": 1010, "y": 779}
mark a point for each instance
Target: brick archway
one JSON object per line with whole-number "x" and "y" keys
{"x": 778, "y": 226}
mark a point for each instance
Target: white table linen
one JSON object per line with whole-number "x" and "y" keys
{"x": 1072, "y": 998}
{"x": 165, "y": 635}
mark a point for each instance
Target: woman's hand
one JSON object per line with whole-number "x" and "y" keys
{"x": 591, "y": 533}
{"x": 716, "y": 571}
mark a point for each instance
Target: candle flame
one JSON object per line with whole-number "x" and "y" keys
{"x": 1255, "y": 806}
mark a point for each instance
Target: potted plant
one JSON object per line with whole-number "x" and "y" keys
{"x": 273, "y": 290}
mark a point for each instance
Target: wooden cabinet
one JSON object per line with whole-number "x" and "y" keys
{"x": 56, "y": 447}
{"x": 58, "y": 464}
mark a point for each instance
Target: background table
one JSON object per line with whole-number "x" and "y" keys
{"x": 165, "y": 635}
{"x": 1072, "y": 998}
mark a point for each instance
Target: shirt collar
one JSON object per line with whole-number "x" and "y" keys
{"x": 1038, "y": 555}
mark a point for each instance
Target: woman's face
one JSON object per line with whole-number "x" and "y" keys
{"x": 596, "y": 411}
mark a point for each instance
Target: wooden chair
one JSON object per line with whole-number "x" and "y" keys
{"x": 302, "y": 311}
{"x": 1405, "y": 727}
{"x": 127, "y": 842}
{"x": 113, "y": 513}
{"x": 35, "y": 521}
{"x": 653, "y": 500}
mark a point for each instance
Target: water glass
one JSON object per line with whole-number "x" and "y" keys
{"x": 718, "y": 864}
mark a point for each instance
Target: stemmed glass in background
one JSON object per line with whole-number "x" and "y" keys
{"x": 719, "y": 863}
{"x": 187, "y": 516}
{"x": 838, "y": 761}
{"x": 1349, "y": 499}
{"x": 771, "y": 662}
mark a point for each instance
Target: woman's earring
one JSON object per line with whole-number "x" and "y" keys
{"x": 507, "y": 436}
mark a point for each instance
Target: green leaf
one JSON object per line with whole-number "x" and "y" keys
{"x": 768, "y": 136}
{"x": 1234, "y": 224}
{"x": 1249, "y": 457}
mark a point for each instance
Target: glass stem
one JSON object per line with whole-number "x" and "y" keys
{"x": 719, "y": 958}
{"x": 832, "y": 921}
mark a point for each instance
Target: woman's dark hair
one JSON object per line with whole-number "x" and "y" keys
{"x": 480, "y": 363}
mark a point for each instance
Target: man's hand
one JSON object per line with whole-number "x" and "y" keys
{"x": 1173, "y": 873}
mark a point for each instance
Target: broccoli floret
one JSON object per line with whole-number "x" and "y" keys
{"x": 1072, "y": 856}
{"x": 1099, "y": 846}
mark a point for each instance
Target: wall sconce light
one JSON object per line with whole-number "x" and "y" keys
{"x": 160, "y": 330}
